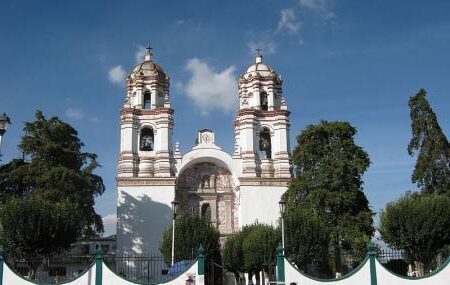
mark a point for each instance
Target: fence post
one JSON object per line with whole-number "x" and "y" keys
{"x": 371, "y": 252}
{"x": 1, "y": 264}
{"x": 98, "y": 265}
{"x": 201, "y": 266}
{"x": 280, "y": 264}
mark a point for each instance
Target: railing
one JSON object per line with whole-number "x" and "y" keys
{"x": 149, "y": 268}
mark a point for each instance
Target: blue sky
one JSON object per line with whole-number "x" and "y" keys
{"x": 356, "y": 61}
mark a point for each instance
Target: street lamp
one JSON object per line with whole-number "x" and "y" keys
{"x": 282, "y": 205}
{"x": 174, "y": 215}
{"x": 4, "y": 124}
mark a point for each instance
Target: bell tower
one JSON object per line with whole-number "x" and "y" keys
{"x": 146, "y": 123}
{"x": 146, "y": 167}
{"x": 262, "y": 123}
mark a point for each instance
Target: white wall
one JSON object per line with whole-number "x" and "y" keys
{"x": 143, "y": 213}
{"x": 260, "y": 203}
{"x": 361, "y": 277}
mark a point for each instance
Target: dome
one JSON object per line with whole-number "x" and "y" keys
{"x": 147, "y": 68}
{"x": 259, "y": 69}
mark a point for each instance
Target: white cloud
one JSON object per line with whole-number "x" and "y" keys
{"x": 109, "y": 224}
{"x": 211, "y": 90}
{"x": 268, "y": 47}
{"x": 74, "y": 113}
{"x": 313, "y": 4}
{"x": 140, "y": 53}
{"x": 288, "y": 21}
{"x": 322, "y": 6}
{"x": 117, "y": 75}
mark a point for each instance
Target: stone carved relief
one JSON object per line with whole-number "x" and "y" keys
{"x": 212, "y": 184}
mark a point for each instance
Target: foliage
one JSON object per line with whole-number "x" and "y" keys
{"x": 233, "y": 255}
{"x": 190, "y": 232}
{"x": 258, "y": 246}
{"x": 46, "y": 224}
{"x": 417, "y": 224}
{"x": 305, "y": 237}
{"x": 432, "y": 170}
{"x": 252, "y": 249}
{"x": 329, "y": 170}
{"x": 55, "y": 172}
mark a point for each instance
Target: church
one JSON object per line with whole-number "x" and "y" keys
{"x": 234, "y": 189}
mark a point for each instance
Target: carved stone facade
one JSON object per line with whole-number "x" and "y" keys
{"x": 208, "y": 189}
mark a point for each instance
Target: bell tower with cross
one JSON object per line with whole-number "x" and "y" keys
{"x": 262, "y": 123}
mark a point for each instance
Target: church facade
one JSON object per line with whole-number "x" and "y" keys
{"x": 232, "y": 189}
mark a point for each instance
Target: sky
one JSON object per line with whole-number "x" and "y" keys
{"x": 356, "y": 61}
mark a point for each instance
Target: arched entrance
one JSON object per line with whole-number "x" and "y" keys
{"x": 206, "y": 188}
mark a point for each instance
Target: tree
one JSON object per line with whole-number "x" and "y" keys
{"x": 54, "y": 172}
{"x": 251, "y": 250}
{"x": 306, "y": 234}
{"x": 417, "y": 224}
{"x": 432, "y": 170}
{"x": 329, "y": 170}
{"x": 258, "y": 246}
{"x": 190, "y": 232}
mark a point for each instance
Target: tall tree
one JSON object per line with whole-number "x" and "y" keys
{"x": 306, "y": 234}
{"x": 55, "y": 171}
{"x": 191, "y": 230}
{"x": 432, "y": 170}
{"x": 417, "y": 224}
{"x": 329, "y": 170}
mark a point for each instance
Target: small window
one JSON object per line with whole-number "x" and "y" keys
{"x": 264, "y": 102}
{"x": 147, "y": 100}
{"x": 147, "y": 139}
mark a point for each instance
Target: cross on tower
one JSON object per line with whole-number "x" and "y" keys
{"x": 149, "y": 54}
{"x": 258, "y": 51}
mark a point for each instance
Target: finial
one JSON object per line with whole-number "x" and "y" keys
{"x": 259, "y": 55}
{"x": 149, "y": 54}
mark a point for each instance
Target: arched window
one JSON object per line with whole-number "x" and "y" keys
{"x": 263, "y": 101}
{"x": 147, "y": 139}
{"x": 147, "y": 100}
{"x": 265, "y": 144}
{"x": 206, "y": 211}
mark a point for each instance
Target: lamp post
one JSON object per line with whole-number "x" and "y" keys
{"x": 4, "y": 124}
{"x": 174, "y": 215}
{"x": 282, "y": 205}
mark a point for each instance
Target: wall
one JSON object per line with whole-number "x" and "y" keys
{"x": 260, "y": 203}
{"x": 143, "y": 213}
{"x": 370, "y": 272}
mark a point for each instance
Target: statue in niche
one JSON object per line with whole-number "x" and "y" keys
{"x": 264, "y": 145}
{"x": 205, "y": 182}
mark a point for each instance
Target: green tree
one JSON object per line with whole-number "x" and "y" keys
{"x": 251, "y": 250}
{"x": 329, "y": 170}
{"x": 54, "y": 171}
{"x": 432, "y": 170}
{"x": 233, "y": 256}
{"x": 417, "y": 224}
{"x": 305, "y": 236}
{"x": 190, "y": 232}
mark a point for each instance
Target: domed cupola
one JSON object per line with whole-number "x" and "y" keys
{"x": 147, "y": 68}
{"x": 259, "y": 69}
{"x": 260, "y": 87}
{"x": 148, "y": 85}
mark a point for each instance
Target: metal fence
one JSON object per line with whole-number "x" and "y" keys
{"x": 149, "y": 268}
